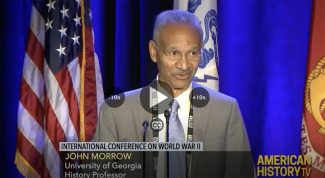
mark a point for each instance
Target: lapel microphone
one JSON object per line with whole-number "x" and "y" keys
{"x": 167, "y": 115}
{"x": 144, "y": 126}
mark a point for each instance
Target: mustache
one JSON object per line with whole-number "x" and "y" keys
{"x": 183, "y": 72}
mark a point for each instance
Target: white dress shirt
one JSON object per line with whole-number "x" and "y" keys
{"x": 183, "y": 114}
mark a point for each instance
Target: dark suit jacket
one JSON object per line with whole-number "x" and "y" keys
{"x": 219, "y": 125}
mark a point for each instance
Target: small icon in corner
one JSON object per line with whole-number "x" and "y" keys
{"x": 156, "y": 124}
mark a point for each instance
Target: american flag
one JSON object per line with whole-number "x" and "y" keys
{"x": 61, "y": 87}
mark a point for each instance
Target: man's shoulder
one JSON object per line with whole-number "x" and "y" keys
{"x": 133, "y": 93}
{"x": 215, "y": 96}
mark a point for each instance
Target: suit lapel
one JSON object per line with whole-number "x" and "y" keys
{"x": 201, "y": 121}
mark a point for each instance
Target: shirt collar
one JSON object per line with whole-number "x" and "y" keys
{"x": 183, "y": 99}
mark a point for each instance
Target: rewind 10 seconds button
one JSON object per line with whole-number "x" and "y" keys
{"x": 116, "y": 98}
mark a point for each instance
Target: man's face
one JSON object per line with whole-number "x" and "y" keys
{"x": 173, "y": 39}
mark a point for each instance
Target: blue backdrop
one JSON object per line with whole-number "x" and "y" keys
{"x": 263, "y": 47}
{"x": 263, "y": 55}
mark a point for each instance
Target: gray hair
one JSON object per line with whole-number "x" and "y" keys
{"x": 175, "y": 17}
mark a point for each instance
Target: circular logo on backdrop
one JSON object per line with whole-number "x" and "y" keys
{"x": 156, "y": 94}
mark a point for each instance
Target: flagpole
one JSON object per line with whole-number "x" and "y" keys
{"x": 82, "y": 77}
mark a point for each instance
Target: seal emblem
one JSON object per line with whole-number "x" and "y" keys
{"x": 315, "y": 94}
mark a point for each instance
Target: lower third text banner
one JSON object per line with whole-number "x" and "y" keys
{"x": 150, "y": 159}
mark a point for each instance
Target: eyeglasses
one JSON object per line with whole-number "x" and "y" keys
{"x": 175, "y": 55}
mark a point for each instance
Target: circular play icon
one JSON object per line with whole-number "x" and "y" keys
{"x": 116, "y": 97}
{"x": 199, "y": 97}
{"x": 156, "y": 96}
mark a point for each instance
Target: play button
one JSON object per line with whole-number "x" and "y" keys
{"x": 161, "y": 98}
{"x": 156, "y": 96}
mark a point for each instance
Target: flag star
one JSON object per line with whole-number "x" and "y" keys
{"x": 63, "y": 31}
{"x": 77, "y": 20}
{"x": 78, "y": 1}
{"x": 50, "y": 5}
{"x": 61, "y": 50}
{"x": 90, "y": 14}
{"x": 75, "y": 39}
{"x": 48, "y": 24}
{"x": 64, "y": 12}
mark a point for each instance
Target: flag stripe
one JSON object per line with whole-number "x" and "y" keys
{"x": 40, "y": 6}
{"x": 80, "y": 60}
{"x": 33, "y": 77}
{"x": 46, "y": 171}
{"x": 64, "y": 82}
{"x": 35, "y": 51}
{"x": 30, "y": 153}
{"x": 53, "y": 135}
{"x": 30, "y": 101}
{"x": 52, "y": 158}
{"x": 58, "y": 104}
{"x": 37, "y": 25}
{"x": 30, "y": 132}
{"x": 31, "y": 129}
{"x": 52, "y": 126}
{"x": 90, "y": 107}
{"x": 99, "y": 85}
{"x": 74, "y": 70}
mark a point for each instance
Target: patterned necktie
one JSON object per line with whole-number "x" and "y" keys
{"x": 177, "y": 160}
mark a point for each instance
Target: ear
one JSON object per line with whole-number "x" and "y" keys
{"x": 153, "y": 51}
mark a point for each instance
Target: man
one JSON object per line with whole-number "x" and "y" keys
{"x": 177, "y": 48}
